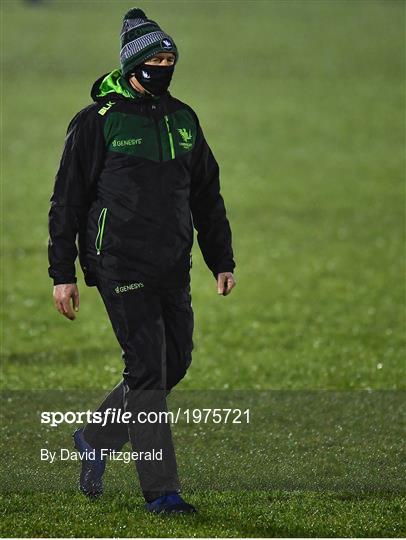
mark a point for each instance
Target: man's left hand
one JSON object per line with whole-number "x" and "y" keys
{"x": 225, "y": 283}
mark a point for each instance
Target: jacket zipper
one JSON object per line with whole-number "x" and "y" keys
{"x": 159, "y": 139}
{"x": 168, "y": 128}
{"x": 157, "y": 134}
{"x": 100, "y": 224}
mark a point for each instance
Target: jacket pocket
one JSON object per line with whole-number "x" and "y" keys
{"x": 100, "y": 230}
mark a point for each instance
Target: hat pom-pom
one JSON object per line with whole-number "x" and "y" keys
{"x": 135, "y": 13}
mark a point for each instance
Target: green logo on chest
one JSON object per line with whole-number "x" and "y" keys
{"x": 186, "y": 137}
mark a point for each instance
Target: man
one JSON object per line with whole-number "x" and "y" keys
{"x": 136, "y": 176}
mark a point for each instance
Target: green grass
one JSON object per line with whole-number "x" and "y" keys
{"x": 302, "y": 103}
{"x": 278, "y": 514}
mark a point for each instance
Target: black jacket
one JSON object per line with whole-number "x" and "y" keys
{"x": 135, "y": 176}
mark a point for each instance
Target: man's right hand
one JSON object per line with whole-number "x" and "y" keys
{"x": 62, "y": 299}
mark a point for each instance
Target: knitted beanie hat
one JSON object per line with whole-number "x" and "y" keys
{"x": 141, "y": 39}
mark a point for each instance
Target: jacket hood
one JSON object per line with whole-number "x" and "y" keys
{"x": 114, "y": 86}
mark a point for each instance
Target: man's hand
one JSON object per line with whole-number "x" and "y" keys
{"x": 62, "y": 299}
{"x": 225, "y": 283}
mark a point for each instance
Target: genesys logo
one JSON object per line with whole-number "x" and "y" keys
{"x": 129, "y": 287}
{"x": 125, "y": 142}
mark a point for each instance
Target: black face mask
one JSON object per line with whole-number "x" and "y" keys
{"x": 155, "y": 79}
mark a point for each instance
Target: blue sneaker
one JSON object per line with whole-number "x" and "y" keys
{"x": 91, "y": 476}
{"x": 170, "y": 504}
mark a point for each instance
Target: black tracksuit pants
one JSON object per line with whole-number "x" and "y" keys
{"x": 154, "y": 328}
